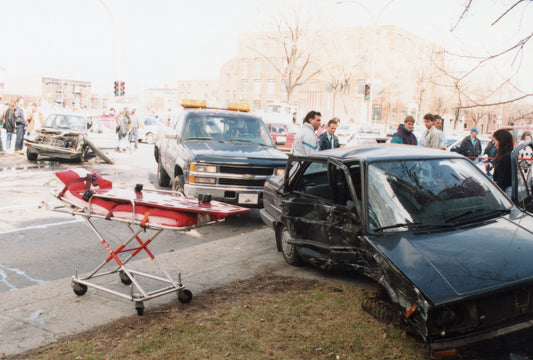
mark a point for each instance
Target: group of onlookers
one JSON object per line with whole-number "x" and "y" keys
{"x": 497, "y": 152}
{"x": 127, "y": 129}
{"x": 17, "y": 124}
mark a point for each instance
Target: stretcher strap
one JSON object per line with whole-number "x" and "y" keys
{"x": 146, "y": 216}
{"x": 110, "y": 213}
{"x": 90, "y": 179}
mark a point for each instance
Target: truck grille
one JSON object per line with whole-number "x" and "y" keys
{"x": 241, "y": 182}
{"x": 246, "y": 170}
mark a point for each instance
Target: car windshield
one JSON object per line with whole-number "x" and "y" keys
{"x": 67, "y": 122}
{"x": 234, "y": 129}
{"x": 435, "y": 192}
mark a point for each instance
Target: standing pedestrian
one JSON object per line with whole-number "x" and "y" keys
{"x": 305, "y": 140}
{"x": 438, "y": 125}
{"x": 36, "y": 118}
{"x": 471, "y": 146}
{"x": 21, "y": 124}
{"x": 502, "y": 176}
{"x": 328, "y": 139}
{"x": 9, "y": 125}
{"x": 135, "y": 125}
{"x": 122, "y": 131}
{"x": 432, "y": 136}
{"x": 405, "y": 134}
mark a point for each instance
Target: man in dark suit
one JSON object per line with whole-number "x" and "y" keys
{"x": 328, "y": 139}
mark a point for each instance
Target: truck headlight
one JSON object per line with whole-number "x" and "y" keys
{"x": 280, "y": 172}
{"x": 201, "y": 180}
{"x": 203, "y": 168}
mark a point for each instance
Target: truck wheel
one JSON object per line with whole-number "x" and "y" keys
{"x": 162, "y": 177}
{"x": 177, "y": 184}
{"x": 290, "y": 254}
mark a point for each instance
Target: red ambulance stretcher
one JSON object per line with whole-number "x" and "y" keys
{"x": 145, "y": 213}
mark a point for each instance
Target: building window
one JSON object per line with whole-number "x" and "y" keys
{"x": 257, "y": 104}
{"x": 271, "y": 67}
{"x": 244, "y": 86}
{"x": 404, "y": 113}
{"x": 257, "y": 86}
{"x": 244, "y": 66}
{"x": 258, "y": 65}
{"x": 361, "y": 86}
{"x": 376, "y": 113}
{"x": 394, "y": 116}
{"x": 270, "y": 87}
{"x": 399, "y": 40}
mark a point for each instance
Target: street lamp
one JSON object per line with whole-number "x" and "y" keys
{"x": 375, "y": 20}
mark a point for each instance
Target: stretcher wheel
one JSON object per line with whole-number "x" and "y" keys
{"x": 185, "y": 296}
{"x": 124, "y": 278}
{"x": 139, "y": 306}
{"x": 79, "y": 289}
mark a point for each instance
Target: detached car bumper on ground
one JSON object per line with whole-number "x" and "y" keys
{"x": 451, "y": 251}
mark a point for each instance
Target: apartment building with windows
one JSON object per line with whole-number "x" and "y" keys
{"x": 404, "y": 67}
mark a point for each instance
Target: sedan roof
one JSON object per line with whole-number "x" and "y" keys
{"x": 369, "y": 152}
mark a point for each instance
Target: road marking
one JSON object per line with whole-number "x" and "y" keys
{"x": 42, "y": 226}
{"x": 3, "y": 277}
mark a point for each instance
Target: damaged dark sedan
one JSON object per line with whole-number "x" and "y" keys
{"x": 451, "y": 252}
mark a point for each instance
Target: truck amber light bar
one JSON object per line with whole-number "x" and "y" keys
{"x": 202, "y": 104}
{"x": 192, "y": 103}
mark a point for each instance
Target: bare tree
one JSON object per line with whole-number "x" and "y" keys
{"x": 298, "y": 65}
{"x": 514, "y": 52}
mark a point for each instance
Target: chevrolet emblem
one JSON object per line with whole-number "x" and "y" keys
{"x": 248, "y": 177}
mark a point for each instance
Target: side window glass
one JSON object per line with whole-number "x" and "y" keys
{"x": 314, "y": 181}
{"x": 524, "y": 183}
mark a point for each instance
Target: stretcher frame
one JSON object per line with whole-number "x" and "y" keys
{"x": 126, "y": 275}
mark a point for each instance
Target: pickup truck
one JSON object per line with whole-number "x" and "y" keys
{"x": 225, "y": 153}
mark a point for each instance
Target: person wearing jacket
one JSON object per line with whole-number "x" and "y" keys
{"x": 471, "y": 146}
{"x": 9, "y": 123}
{"x": 21, "y": 124}
{"x": 328, "y": 139}
{"x": 305, "y": 140}
{"x": 405, "y": 134}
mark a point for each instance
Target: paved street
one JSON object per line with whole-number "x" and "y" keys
{"x": 40, "y": 245}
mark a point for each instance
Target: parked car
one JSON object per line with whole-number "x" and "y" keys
{"x": 282, "y": 134}
{"x": 148, "y": 132}
{"x": 60, "y": 136}
{"x": 450, "y": 251}
{"x": 225, "y": 153}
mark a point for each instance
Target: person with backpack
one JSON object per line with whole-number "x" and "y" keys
{"x": 9, "y": 123}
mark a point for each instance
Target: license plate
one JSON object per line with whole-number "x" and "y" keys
{"x": 248, "y": 198}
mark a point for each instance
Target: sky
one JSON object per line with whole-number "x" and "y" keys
{"x": 159, "y": 42}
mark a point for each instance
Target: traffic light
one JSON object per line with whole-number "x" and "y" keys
{"x": 116, "y": 88}
{"x": 367, "y": 91}
{"x": 122, "y": 88}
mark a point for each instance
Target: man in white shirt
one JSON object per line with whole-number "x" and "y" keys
{"x": 432, "y": 138}
{"x": 305, "y": 140}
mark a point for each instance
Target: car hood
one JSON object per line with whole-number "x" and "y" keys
{"x": 214, "y": 151}
{"x": 457, "y": 264}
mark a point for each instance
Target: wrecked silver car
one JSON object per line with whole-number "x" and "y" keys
{"x": 62, "y": 136}
{"x": 450, "y": 251}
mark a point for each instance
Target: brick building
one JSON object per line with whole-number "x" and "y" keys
{"x": 72, "y": 94}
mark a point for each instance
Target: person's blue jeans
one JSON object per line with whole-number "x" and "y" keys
{"x": 19, "y": 142}
{"x": 9, "y": 135}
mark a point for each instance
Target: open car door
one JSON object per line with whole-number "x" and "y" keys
{"x": 522, "y": 183}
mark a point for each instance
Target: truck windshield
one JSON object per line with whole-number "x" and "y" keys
{"x": 222, "y": 128}
{"x": 404, "y": 195}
